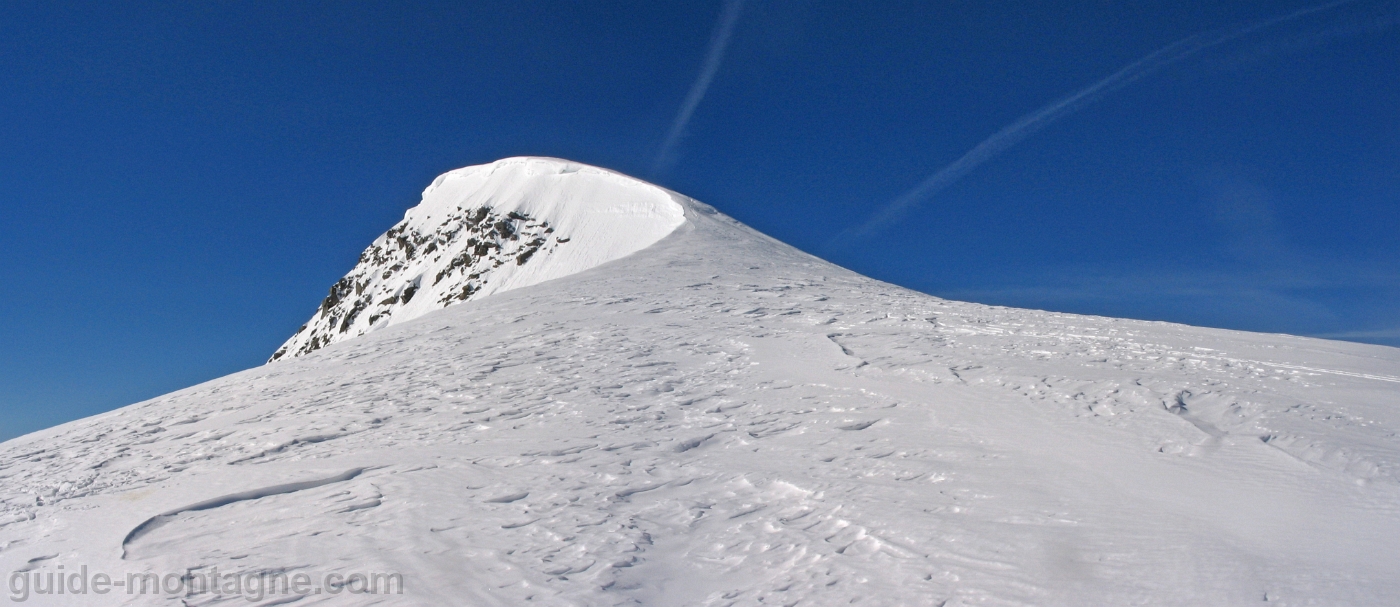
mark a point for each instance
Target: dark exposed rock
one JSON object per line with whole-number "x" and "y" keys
{"x": 393, "y": 270}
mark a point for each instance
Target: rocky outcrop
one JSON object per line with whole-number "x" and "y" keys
{"x": 451, "y": 263}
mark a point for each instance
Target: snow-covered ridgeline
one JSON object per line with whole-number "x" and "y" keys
{"x": 486, "y": 229}
{"x": 724, "y": 420}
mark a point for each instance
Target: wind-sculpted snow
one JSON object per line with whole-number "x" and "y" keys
{"x": 726, "y": 421}
{"x": 154, "y": 522}
{"x": 486, "y": 229}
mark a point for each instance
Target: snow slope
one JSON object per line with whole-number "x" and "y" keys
{"x": 723, "y": 420}
{"x": 485, "y": 229}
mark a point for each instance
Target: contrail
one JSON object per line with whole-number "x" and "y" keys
{"x": 1030, "y": 123}
{"x": 1358, "y": 26}
{"x": 719, "y": 41}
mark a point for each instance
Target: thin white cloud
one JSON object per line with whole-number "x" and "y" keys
{"x": 1384, "y": 18}
{"x": 1027, "y": 125}
{"x": 719, "y": 41}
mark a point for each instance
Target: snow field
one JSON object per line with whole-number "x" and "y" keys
{"x": 724, "y": 420}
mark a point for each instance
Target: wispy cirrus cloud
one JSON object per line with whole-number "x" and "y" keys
{"x": 1029, "y": 124}
{"x": 719, "y": 42}
{"x": 1380, "y": 18}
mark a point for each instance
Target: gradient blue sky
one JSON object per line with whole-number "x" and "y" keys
{"x": 181, "y": 182}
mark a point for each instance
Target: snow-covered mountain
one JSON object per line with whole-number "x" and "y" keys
{"x": 486, "y": 229}
{"x": 719, "y": 419}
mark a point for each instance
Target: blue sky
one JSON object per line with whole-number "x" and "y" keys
{"x": 181, "y": 182}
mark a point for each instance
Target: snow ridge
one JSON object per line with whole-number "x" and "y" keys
{"x": 725, "y": 420}
{"x": 486, "y": 229}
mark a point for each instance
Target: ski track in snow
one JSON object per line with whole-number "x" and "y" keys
{"x": 722, "y": 420}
